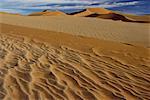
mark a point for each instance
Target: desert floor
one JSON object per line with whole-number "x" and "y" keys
{"x": 73, "y": 58}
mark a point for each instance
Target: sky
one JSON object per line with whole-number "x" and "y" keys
{"x": 28, "y": 6}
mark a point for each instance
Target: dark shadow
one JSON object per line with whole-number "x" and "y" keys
{"x": 77, "y": 12}
{"x": 116, "y": 17}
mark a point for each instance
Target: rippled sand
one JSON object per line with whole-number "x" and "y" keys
{"x": 45, "y": 65}
{"x": 93, "y": 59}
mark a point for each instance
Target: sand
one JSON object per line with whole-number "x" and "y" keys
{"x": 45, "y": 58}
{"x": 126, "y": 32}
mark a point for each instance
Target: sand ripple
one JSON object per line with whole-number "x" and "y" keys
{"x": 30, "y": 70}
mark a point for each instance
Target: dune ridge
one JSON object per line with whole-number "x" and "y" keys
{"x": 94, "y": 13}
{"x": 115, "y": 17}
{"x": 108, "y": 14}
{"x": 90, "y": 11}
{"x": 98, "y": 13}
{"x": 47, "y": 13}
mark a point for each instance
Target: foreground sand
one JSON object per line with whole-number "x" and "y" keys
{"x": 38, "y": 64}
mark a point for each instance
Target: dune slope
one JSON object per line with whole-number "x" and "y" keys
{"x": 33, "y": 66}
{"x": 133, "y": 33}
{"x": 108, "y": 14}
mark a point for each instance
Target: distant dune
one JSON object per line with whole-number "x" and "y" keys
{"x": 47, "y": 13}
{"x": 90, "y": 11}
{"x": 99, "y": 10}
{"x": 98, "y": 13}
{"x": 115, "y": 17}
{"x": 10, "y": 13}
{"x": 95, "y": 13}
{"x": 108, "y": 14}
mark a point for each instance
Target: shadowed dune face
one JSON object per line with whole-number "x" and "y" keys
{"x": 114, "y": 16}
{"x": 31, "y": 70}
{"x": 107, "y": 14}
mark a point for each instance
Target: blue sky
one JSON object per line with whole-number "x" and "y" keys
{"x": 27, "y": 6}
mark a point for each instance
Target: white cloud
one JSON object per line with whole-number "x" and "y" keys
{"x": 127, "y": 3}
{"x": 10, "y": 5}
{"x": 48, "y": 1}
{"x": 105, "y": 5}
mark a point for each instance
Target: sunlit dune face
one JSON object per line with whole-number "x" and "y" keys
{"x": 90, "y": 11}
{"x": 99, "y": 10}
{"x": 47, "y": 13}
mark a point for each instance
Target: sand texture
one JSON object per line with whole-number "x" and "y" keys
{"x": 33, "y": 66}
{"x": 49, "y": 56}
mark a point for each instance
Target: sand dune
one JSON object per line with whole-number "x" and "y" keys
{"x": 112, "y": 16}
{"x": 115, "y": 16}
{"x": 132, "y": 33}
{"x": 98, "y": 13}
{"x": 90, "y": 11}
{"x": 47, "y": 13}
{"x": 99, "y": 10}
{"x": 145, "y": 18}
{"x": 44, "y": 65}
{"x": 82, "y": 13}
{"x": 108, "y": 14}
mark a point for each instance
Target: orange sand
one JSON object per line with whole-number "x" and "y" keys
{"x": 73, "y": 58}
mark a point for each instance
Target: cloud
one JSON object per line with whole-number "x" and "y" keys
{"x": 74, "y": 5}
{"x": 13, "y": 5}
{"x": 50, "y": 1}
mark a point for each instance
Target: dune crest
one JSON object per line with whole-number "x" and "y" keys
{"x": 47, "y": 13}
{"x": 100, "y": 10}
{"x": 90, "y": 11}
